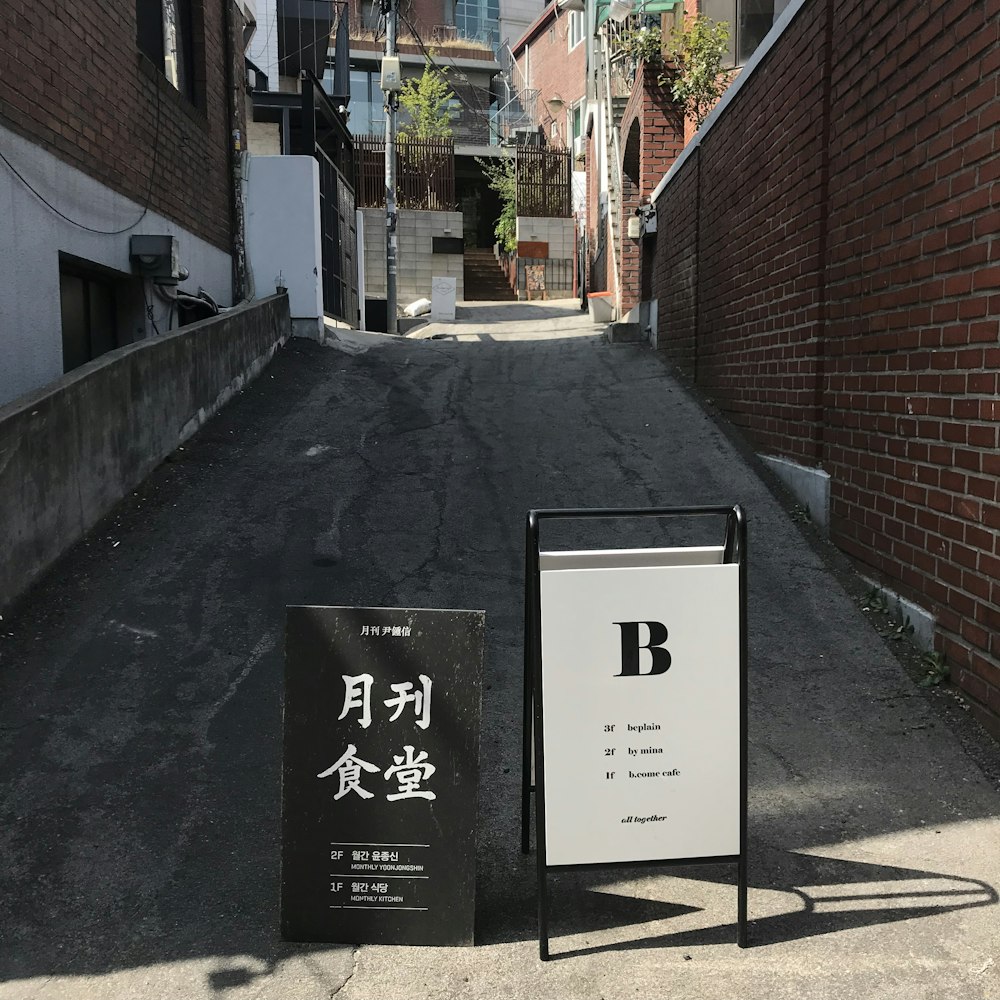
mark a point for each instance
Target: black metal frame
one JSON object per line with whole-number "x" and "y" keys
{"x": 533, "y": 743}
{"x": 327, "y": 137}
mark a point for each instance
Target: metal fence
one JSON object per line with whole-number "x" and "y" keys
{"x": 425, "y": 173}
{"x": 558, "y": 275}
{"x": 544, "y": 183}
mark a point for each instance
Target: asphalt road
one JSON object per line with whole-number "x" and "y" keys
{"x": 140, "y": 701}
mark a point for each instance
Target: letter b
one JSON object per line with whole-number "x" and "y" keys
{"x": 659, "y": 657}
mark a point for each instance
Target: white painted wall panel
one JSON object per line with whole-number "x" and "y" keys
{"x": 31, "y": 238}
{"x": 283, "y": 234}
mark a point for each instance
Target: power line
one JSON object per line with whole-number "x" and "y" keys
{"x": 90, "y": 229}
{"x": 480, "y": 110}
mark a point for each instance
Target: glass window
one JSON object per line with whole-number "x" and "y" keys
{"x": 478, "y": 20}
{"x": 366, "y": 106}
{"x": 749, "y": 21}
{"x": 165, "y": 36}
{"x": 756, "y": 18}
{"x": 575, "y": 30}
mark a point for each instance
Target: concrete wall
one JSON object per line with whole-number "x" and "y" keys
{"x": 283, "y": 234}
{"x": 417, "y": 261}
{"x": 827, "y": 266}
{"x": 31, "y": 239}
{"x": 560, "y": 234}
{"x": 71, "y": 451}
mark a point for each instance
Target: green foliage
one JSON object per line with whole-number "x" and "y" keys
{"x": 697, "y": 50}
{"x": 875, "y": 600}
{"x": 501, "y": 176}
{"x": 644, "y": 44}
{"x": 427, "y": 101}
{"x": 937, "y": 671}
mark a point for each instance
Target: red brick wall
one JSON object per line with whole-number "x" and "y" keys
{"x": 554, "y": 69}
{"x": 675, "y": 271}
{"x": 652, "y": 137}
{"x": 75, "y": 82}
{"x": 846, "y": 291}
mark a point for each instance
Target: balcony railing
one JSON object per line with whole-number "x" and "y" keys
{"x": 425, "y": 173}
{"x": 624, "y": 63}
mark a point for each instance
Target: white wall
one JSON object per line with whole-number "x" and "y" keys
{"x": 283, "y": 234}
{"x": 417, "y": 262}
{"x": 516, "y": 16}
{"x": 31, "y": 238}
{"x": 560, "y": 234}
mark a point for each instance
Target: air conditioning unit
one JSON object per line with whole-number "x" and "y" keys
{"x": 444, "y": 33}
{"x": 579, "y": 148}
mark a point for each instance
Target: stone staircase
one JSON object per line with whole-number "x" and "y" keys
{"x": 484, "y": 278}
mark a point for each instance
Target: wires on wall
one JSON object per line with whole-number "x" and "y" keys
{"x": 80, "y": 225}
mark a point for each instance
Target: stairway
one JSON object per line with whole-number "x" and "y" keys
{"x": 484, "y": 278}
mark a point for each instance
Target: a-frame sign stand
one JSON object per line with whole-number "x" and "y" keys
{"x": 635, "y": 704}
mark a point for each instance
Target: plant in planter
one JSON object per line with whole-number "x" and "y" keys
{"x": 690, "y": 60}
{"x": 696, "y": 76}
{"x": 644, "y": 43}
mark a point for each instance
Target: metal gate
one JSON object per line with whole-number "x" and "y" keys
{"x": 338, "y": 242}
{"x": 328, "y": 139}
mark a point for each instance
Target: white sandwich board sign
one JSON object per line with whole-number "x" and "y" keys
{"x": 641, "y": 696}
{"x": 635, "y": 695}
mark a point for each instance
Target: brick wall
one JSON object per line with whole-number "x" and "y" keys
{"x": 75, "y": 82}
{"x": 652, "y": 137}
{"x": 552, "y": 68}
{"x": 838, "y": 291}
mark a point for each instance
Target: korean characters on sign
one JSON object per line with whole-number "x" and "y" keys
{"x": 411, "y": 769}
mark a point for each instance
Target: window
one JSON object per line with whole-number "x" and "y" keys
{"x": 165, "y": 36}
{"x": 367, "y": 101}
{"x": 371, "y": 14}
{"x": 479, "y": 20}
{"x": 576, "y": 121}
{"x": 89, "y": 316}
{"x": 749, "y": 21}
{"x": 574, "y": 31}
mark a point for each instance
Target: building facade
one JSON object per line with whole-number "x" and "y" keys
{"x": 117, "y": 119}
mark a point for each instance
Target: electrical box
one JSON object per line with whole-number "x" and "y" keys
{"x": 155, "y": 257}
{"x": 649, "y": 223}
{"x": 392, "y": 76}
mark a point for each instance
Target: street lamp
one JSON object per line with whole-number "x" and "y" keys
{"x": 619, "y": 10}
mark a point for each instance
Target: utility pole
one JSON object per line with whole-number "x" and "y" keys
{"x": 391, "y": 83}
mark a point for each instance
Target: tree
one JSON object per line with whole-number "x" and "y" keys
{"x": 698, "y": 79}
{"x": 501, "y": 176}
{"x": 427, "y": 100}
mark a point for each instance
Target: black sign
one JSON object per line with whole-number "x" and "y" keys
{"x": 447, "y": 244}
{"x": 380, "y": 775}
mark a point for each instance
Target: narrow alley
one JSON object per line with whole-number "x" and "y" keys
{"x": 141, "y": 687}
